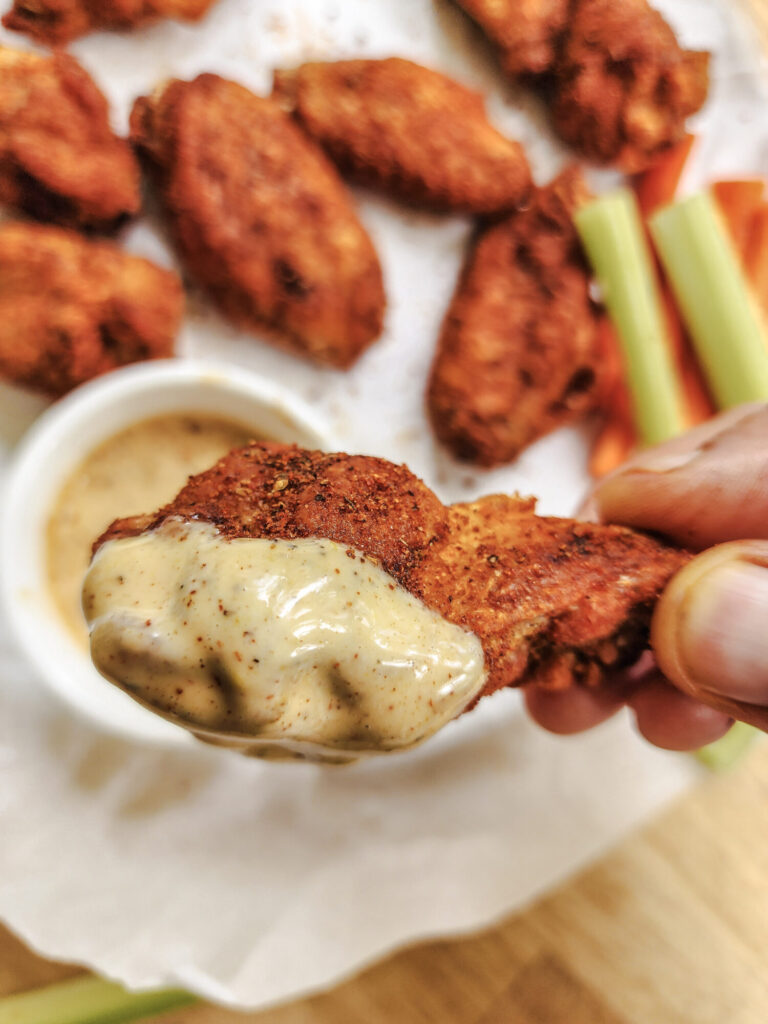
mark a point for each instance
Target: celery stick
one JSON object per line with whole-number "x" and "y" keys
{"x": 87, "y": 1001}
{"x": 714, "y": 298}
{"x": 725, "y": 752}
{"x": 612, "y": 233}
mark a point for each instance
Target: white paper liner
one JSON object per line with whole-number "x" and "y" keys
{"x": 253, "y": 883}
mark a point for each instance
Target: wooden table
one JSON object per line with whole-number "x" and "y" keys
{"x": 671, "y": 928}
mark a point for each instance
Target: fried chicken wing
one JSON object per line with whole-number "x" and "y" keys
{"x": 260, "y": 217}
{"x": 58, "y": 22}
{"x": 408, "y": 131}
{"x": 624, "y": 86}
{"x": 552, "y": 601}
{"x": 59, "y": 159}
{"x": 71, "y": 309}
{"x": 518, "y": 352}
{"x": 526, "y": 32}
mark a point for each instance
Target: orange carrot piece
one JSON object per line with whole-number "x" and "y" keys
{"x": 756, "y": 255}
{"x": 657, "y": 186}
{"x": 738, "y": 202}
{"x": 613, "y": 445}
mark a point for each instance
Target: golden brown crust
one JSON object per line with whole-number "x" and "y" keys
{"x": 624, "y": 86}
{"x": 517, "y": 355}
{"x": 409, "y": 131}
{"x": 71, "y": 309}
{"x": 58, "y": 22}
{"x": 261, "y": 218}
{"x": 59, "y": 159}
{"x": 526, "y": 32}
{"x": 553, "y": 601}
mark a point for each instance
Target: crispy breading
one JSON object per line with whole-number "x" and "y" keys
{"x": 409, "y": 131}
{"x": 624, "y": 86}
{"x": 71, "y": 309}
{"x": 59, "y": 158}
{"x": 526, "y": 32}
{"x": 553, "y": 601}
{"x": 261, "y": 218}
{"x": 518, "y": 352}
{"x": 57, "y": 22}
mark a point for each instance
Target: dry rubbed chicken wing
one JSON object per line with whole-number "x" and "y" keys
{"x": 518, "y": 352}
{"x": 624, "y": 86}
{"x": 57, "y": 22}
{"x": 261, "y": 218}
{"x": 71, "y": 308}
{"x": 59, "y": 159}
{"x": 552, "y": 601}
{"x": 526, "y": 32}
{"x": 409, "y": 131}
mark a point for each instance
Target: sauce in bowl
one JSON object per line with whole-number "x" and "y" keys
{"x": 137, "y": 470}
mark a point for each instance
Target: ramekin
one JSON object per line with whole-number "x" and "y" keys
{"x": 56, "y": 444}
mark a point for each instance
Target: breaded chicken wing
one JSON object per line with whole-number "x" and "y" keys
{"x": 518, "y": 352}
{"x": 409, "y": 131}
{"x": 624, "y": 86}
{"x": 526, "y": 32}
{"x": 59, "y": 159}
{"x": 57, "y": 22}
{"x": 260, "y": 217}
{"x": 71, "y": 309}
{"x": 552, "y": 601}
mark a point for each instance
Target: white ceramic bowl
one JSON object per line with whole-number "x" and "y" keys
{"x": 56, "y": 444}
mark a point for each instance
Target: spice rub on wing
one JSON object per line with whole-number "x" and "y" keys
{"x": 59, "y": 158}
{"x": 552, "y": 601}
{"x": 58, "y": 22}
{"x": 409, "y": 131}
{"x": 624, "y": 86}
{"x": 518, "y": 352}
{"x": 260, "y": 217}
{"x": 526, "y": 32}
{"x": 71, "y": 309}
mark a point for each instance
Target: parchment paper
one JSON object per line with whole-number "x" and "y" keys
{"x": 252, "y": 883}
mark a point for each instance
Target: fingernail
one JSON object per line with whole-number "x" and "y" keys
{"x": 724, "y": 631}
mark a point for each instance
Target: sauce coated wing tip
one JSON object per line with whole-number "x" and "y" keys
{"x": 553, "y": 601}
{"x": 261, "y": 219}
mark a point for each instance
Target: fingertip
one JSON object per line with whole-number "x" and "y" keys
{"x": 672, "y": 720}
{"x": 566, "y": 712}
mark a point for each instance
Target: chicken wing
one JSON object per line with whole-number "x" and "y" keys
{"x": 59, "y": 159}
{"x": 408, "y": 131}
{"x": 518, "y": 352}
{"x": 71, "y": 309}
{"x": 260, "y": 217}
{"x": 526, "y": 32}
{"x": 552, "y": 601}
{"x": 58, "y": 22}
{"x": 624, "y": 87}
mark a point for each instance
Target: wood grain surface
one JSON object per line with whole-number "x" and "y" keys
{"x": 671, "y": 928}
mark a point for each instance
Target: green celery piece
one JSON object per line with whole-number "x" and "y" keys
{"x": 714, "y": 298}
{"x": 612, "y": 233}
{"x": 88, "y": 1000}
{"x": 725, "y": 752}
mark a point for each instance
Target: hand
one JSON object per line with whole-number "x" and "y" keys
{"x": 710, "y": 629}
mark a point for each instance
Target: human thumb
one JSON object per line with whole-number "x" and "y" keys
{"x": 710, "y": 630}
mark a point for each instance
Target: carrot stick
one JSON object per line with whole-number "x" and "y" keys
{"x": 657, "y": 186}
{"x": 756, "y": 255}
{"x": 612, "y": 446}
{"x": 738, "y": 201}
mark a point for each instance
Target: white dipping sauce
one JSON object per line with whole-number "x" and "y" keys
{"x": 279, "y": 648}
